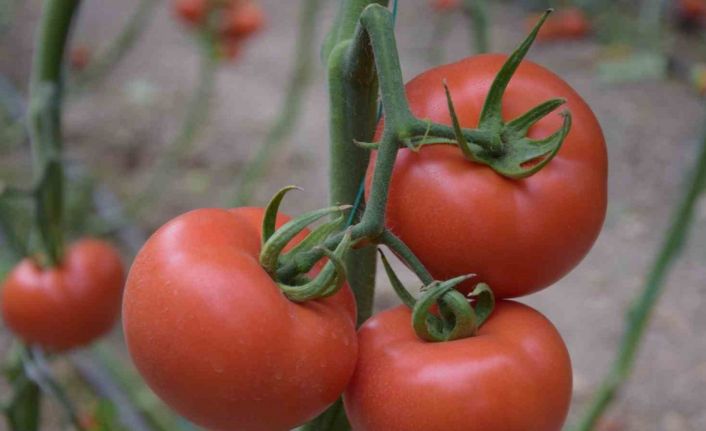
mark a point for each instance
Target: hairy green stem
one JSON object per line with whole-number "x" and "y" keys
{"x": 101, "y": 66}
{"x": 408, "y": 257}
{"x": 283, "y": 126}
{"x": 640, "y": 311}
{"x": 353, "y": 90}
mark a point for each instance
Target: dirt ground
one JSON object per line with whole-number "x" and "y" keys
{"x": 651, "y": 128}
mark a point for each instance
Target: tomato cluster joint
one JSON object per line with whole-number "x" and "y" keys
{"x": 301, "y": 288}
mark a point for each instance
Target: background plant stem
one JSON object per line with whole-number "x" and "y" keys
{"x": 283, "y": 126}
{"x": 640, "y": 311}
{"x": 44, "y": 124}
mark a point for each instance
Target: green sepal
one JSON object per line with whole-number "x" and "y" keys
{"x": 491, "y": 114}
{"x": 510, "y": 152}
{"x": 483, "y": 302}
{"x": 269, "y": 221}
{"x": 458, "y": 318}
{"x": 328, "y": 281}
{"x": 462, "y": 142}
{"x": 514, "y": 162}
{"x": 272, "y": 248}
{"x": 373, "y": 146}
{"x": 397, "y": 286}
{"x": 316, "y": 237}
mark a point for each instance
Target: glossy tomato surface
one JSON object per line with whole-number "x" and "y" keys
{"x": 515, "y": 375}
{"x": 460, "y": 217}
{"x": 67, "y": 306}
{"x": 217, "y": 340}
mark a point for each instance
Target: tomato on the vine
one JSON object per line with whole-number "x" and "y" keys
{"x": 214, "y": 336}
{"x": 461, "y": 217}
{"x": 515, "y": 375}
{"x": 69, "y": 305}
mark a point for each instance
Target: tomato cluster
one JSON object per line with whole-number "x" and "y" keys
{"x": 226, "y": 338}
{"x": 235, "y": 20}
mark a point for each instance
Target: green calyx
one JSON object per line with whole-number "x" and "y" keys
{"x": 301, "y": 287}
{"x": 458, "y": 316}
{"x": 510, "y": 152}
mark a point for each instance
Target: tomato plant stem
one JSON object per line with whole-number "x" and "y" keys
{"x": 641, "y": 309}
{"x": 353, "y": 91}
{"x": 284, "y": 123}
{"x": 45, "y": 122}
{"x": 403, "y": 252}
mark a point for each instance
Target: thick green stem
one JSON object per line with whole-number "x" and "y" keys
{"x": 101, "y": 66}
{"x": 45, "y": 121}
{"x": 353, "y": 90}
{"x": 196, "y": 116}
{"x": 284, "y": 124}
{"x": 639, "y": 314}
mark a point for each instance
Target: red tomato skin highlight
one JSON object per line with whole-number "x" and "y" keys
{"x": 460, "y": 217}
{"x": 218, "y": 341}
{"x": 69, "y": 305}
{"x": 514, "y": 376}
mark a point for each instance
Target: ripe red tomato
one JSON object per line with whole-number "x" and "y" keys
{"x": 192, "y": 12}
{"x": 218, "y": 341}
{"x": 460, "y": 217}
{"x": 444, "y": 5}
{"x": 67, "y": 306}
{"x": 567, "y": 23}
{"x": 244, "y": 19}
{"x": 515, "y": 375}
